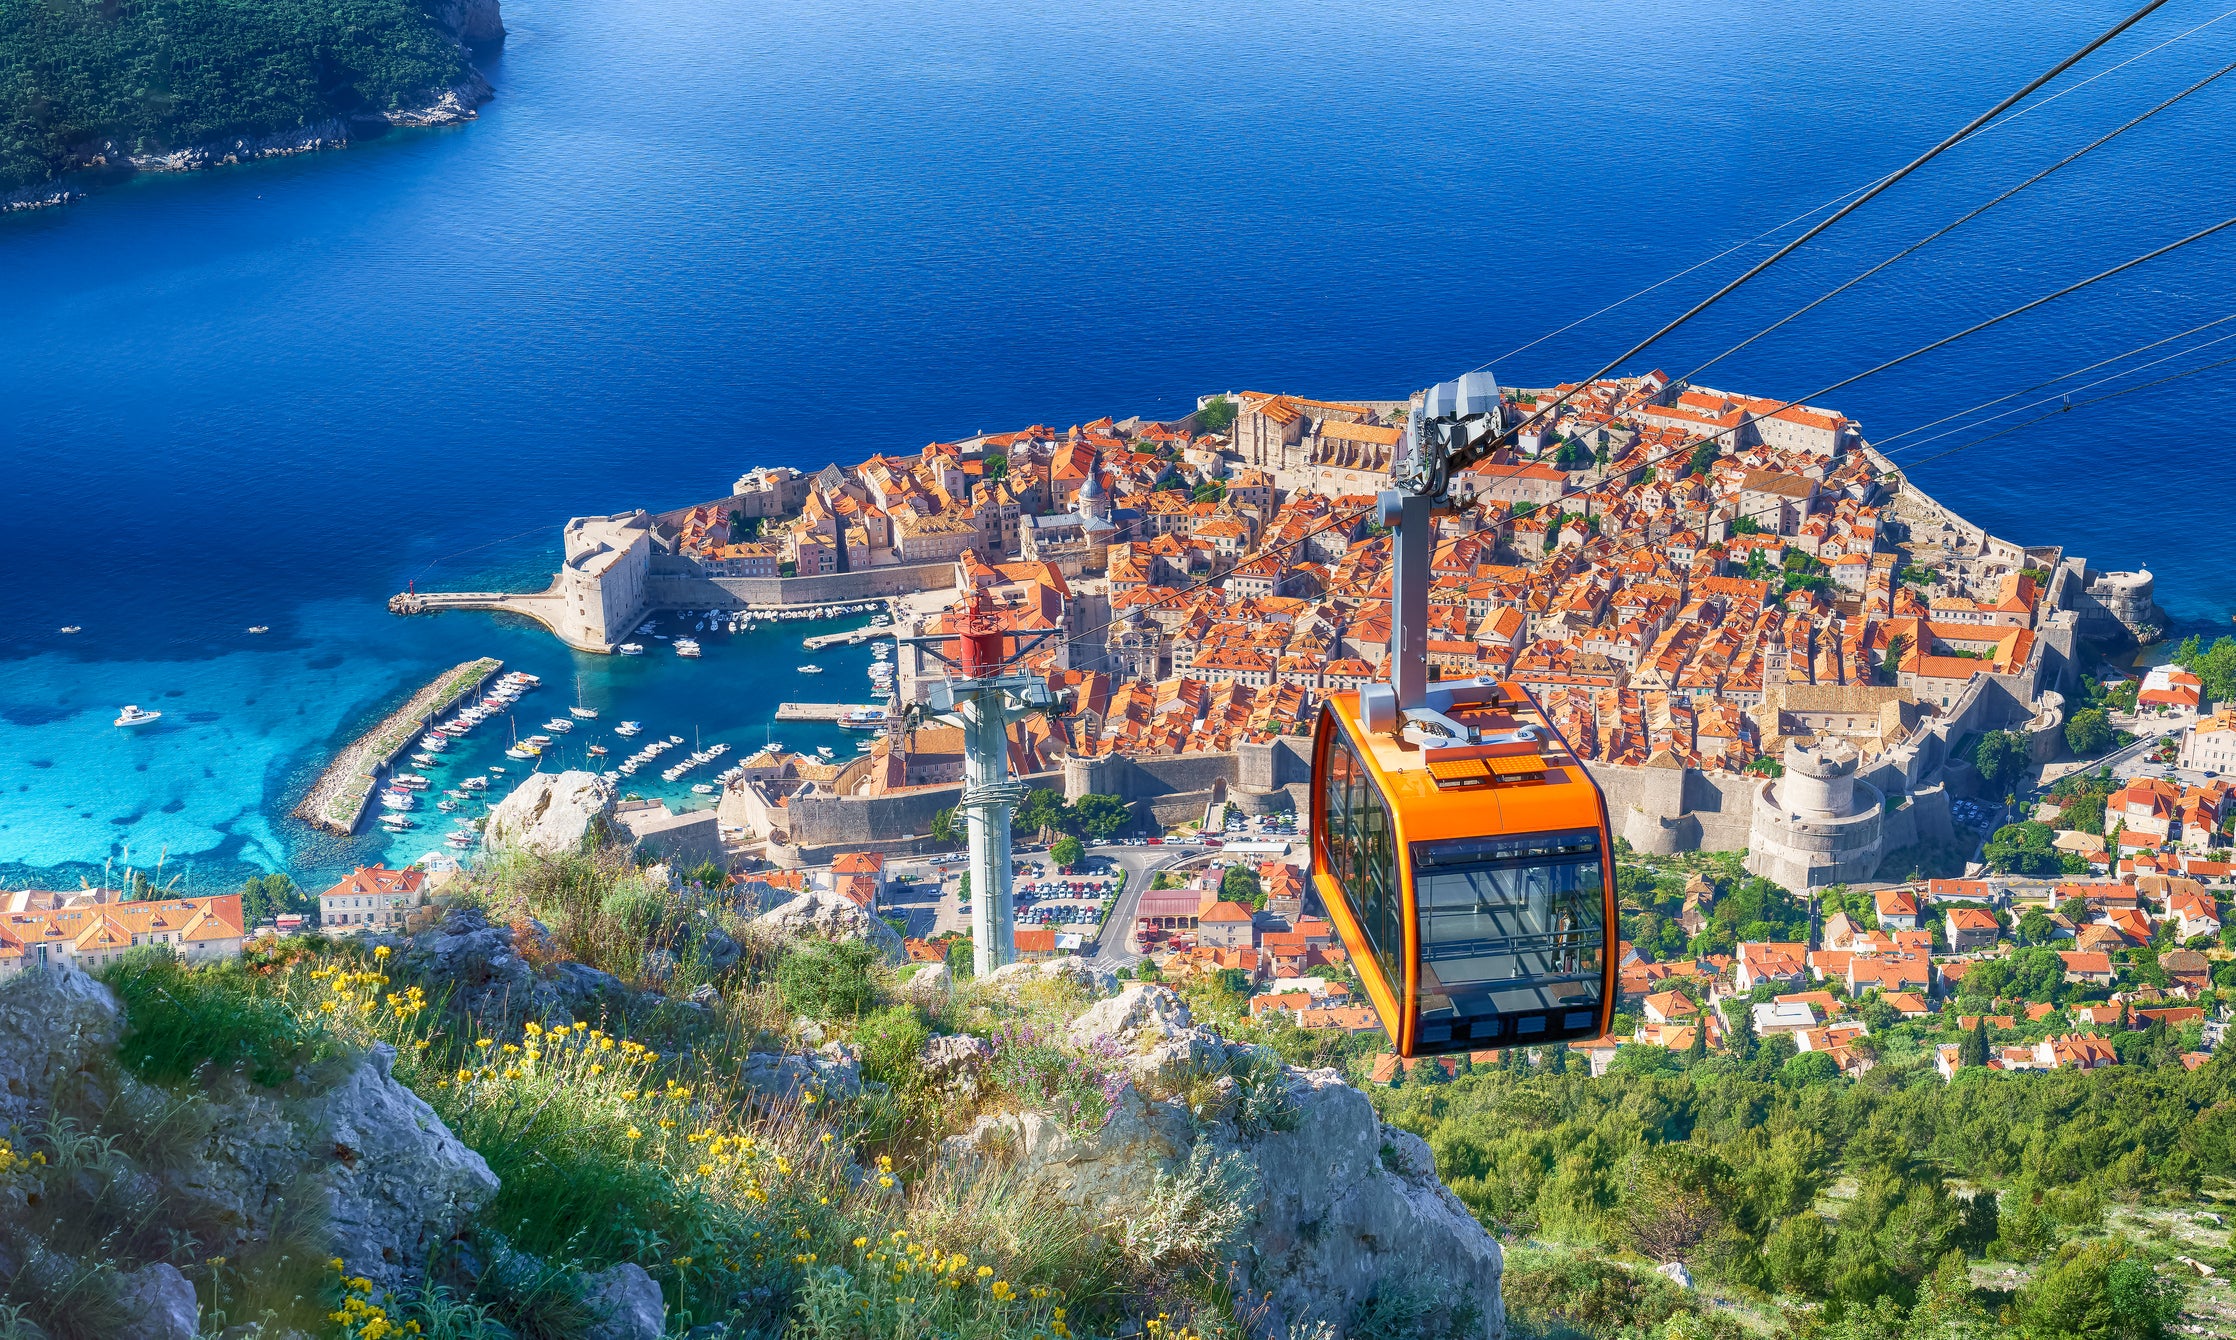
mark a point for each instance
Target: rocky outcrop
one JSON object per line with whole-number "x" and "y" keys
{"x": 1088, "y": 976}
{"x": 342, "y": 1157}
{"x": 161, "y": 1303}
{"x": 627, "y": 1303}
{"x": 1329, "y": 1204}
{"x": 816, "y": 915}
{"x": 833, "y": 1070}
{"x": 399, "y": 1181}
{"x": 552, "y": 814}
{"x": 474, "y": 968}
{"x": 54, "y": 1023}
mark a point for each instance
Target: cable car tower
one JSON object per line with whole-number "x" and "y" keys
{"x": 982, "y": 695}
{"x": 1459, "y": 845}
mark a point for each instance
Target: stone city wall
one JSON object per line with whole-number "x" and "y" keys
{"x": 671, "y": 586}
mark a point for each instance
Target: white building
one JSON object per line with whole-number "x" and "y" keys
{"x": 2209, "y": 745}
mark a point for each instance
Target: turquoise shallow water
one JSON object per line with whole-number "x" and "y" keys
{"x": 693, "y": 237}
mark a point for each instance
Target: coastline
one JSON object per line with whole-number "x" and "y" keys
{"x": 453, "y": 106}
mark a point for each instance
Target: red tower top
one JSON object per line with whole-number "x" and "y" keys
{"x": 981, "y": 637}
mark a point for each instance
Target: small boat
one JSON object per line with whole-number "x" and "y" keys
{"x": 630, "y": 649}
{"x": 260, "y": 628}
{"x": 824, "y": 751}
{"x": 702, "y": 789}
{"x": 523, "y": 677}
{"x": 446, "y": 806}
{"x": 478, "y": 783}
{"x": 559, "y": 724}
{"x": 627, "y": 728}
{"x": 518, "y": 752}
{"x": 675, "y": 739}
{"x": 135, "y": 715}
{"x": 811, "y": 669}
{"x": 72, "y": 628}
{"x": 584, "y": 713}
{"x": 495, "y": 767}
{"x": 685, "y": 646}
{"x": 597, "y": 751}
{"x": 425, "y": 760}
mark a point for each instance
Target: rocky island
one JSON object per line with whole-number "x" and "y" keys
{"x": 199, "y": 84}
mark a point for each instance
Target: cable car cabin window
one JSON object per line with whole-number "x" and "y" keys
{"x": 1512, "y": 930}
{"x": 1361, "y": 851}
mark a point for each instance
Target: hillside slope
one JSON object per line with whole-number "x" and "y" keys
{"x": 84, "y": 83}
{"x": 586, "y": 1102}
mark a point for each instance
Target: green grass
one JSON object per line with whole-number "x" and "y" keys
{"x": 182, "y": 1020}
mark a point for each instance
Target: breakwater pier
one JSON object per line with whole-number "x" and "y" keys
{"x": 851, "y": 638}
{"x": 337, "y": 801}
{"x": 822, "y": 711}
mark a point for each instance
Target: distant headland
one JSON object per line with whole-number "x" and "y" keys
{"x": 87, "y": 91}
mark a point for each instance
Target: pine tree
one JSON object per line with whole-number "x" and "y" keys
{"x": 1974, "y": 1050}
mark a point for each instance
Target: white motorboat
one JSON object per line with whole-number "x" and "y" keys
{"x": 702, "y": 789}
{"x": 675, "y": 739}
{"x": 135, "y": 715}
{"x": 559, "y": 724}
{"x": 495, "y": 767}
{"x": 685, "y": 646}
{"x": 478, "y": 783}
{"x": 810, "y": 669}
{"x": 260, "y": 628}
{"x": 397, "y": 800}
{"x": 824, "y": 752}
{"x": 73, "y": 628}
{"x": 627, "y": 728}
{"x": 630, "y": 649}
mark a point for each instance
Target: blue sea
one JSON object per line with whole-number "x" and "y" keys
{"x": 695, "y": 237}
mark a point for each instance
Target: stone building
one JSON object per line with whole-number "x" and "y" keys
{"x": 1818, "y": 824}
{"x": 601, "y": 584}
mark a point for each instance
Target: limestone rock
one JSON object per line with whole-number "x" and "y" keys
{"x": 1137, "y": 1017}
{"x": 162, "y": 1304}
{"x": 1096, "y": 980}
{"x": 474, "y": 968}
{"x": 931, "y": 986}
{"x": 955, "y": 1062}
{"x": 828, "y": 916}
{"x": 552, "y": 813}
{"x": 400, "y": 1182}
{"x": 1675, "y": 1273}
{"x": 51, "y": 1020}
{"x": 583, "y": 987}
{"x": 627, "y": 1302}
{"x": 835, "y": 1070}
{"x": 1334, "y": 1202}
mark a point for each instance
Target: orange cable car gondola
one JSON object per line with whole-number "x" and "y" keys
{"x": 1459, "y": 845}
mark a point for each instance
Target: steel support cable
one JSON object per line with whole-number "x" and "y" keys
{"x": 1690, "y": 447}
{"x": 2052, "y": 381}
{"x": 1877, "y": 188}
{"x": 1882, "y": 449}
{"x": 1960, "y": 221}
{"x": 2067, "y": 408}
{"x": 1818, "y": 209}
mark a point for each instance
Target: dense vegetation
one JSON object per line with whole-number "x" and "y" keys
{"x": 1857, "y": 1204}
{"x": 160, "y": 75}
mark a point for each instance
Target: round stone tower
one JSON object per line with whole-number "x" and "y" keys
{"x": 1818, "y": 824}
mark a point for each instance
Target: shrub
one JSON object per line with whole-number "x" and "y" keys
{"x": 892, "y": 1042}
{"x": 1077, "y": 1089}
{"x": 829, "y": 981}
{"x": 180, "y": 1019}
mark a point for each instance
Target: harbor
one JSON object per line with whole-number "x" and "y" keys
{"x": 344, "y": 791}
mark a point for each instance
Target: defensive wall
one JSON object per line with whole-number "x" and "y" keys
{"x": 677, "y": 584}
